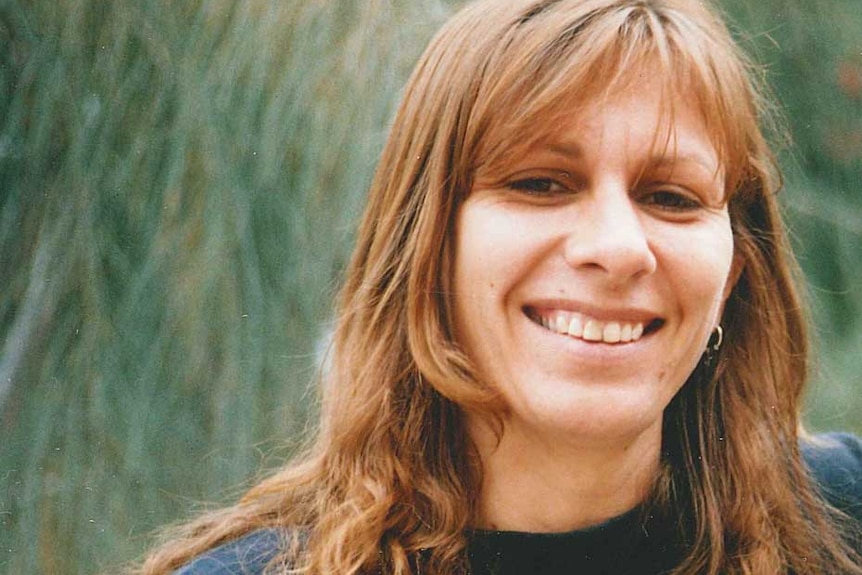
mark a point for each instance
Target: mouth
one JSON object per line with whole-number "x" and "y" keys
{"x": 590, "y": 329}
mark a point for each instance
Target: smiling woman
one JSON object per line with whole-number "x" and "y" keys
{"x": 586, "y": 284}
{"x": 569, "y": 338}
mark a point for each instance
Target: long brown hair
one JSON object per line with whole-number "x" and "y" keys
{"x": 390, "y": 481}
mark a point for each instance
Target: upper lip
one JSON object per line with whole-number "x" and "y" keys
{"x": 630, "y": 314}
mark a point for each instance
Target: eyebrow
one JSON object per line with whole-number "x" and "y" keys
{"x": 671, "y": 160}
{"x": 567, "y": 148}
{"x": 575, "y": 151}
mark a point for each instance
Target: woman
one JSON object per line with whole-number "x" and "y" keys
{"x": 569, "y": 338}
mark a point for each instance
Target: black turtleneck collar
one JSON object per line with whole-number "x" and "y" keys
{"x": 632, "y": 543}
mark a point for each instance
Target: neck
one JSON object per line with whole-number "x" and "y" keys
{"x": 531, "y": 483}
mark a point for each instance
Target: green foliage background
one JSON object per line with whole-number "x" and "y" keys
{"x": 179, "y": 182}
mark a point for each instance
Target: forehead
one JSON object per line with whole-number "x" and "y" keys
{"x": 644, "y": 107}
{"x": 534, "y": 74}
{"x": 642, "y": 121}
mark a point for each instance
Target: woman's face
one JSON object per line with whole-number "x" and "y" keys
{"x": 589, "y": 277}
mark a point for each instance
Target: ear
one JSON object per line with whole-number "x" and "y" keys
{"x": 736, "y": 268}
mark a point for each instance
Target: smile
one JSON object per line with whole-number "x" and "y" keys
{"x": 586, "y": 328}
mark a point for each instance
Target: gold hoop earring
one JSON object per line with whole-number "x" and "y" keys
{"x": 716, "y": 338}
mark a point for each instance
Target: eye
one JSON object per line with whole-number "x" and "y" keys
{"x": 538, "y": 186}
{"x": 671, "y": 200}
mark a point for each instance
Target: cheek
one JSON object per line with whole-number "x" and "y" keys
{"x": 475, "y": 279}
{"x": 492, "y": 258}
{"x": 698, "y": 266}
{"x": 487, "y": 252}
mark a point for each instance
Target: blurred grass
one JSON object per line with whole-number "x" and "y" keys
{"x": 813, "y": 55}
{"x": 178, "y": 187}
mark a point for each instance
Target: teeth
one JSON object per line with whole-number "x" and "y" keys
{"x": 626, "y": 332}
{"x": 561, "y": 324}
{"x": 593, "y": 331}
{"x": 611, "y": 334}
{"x": 589, "y": 329}
{"x": 576, "y": 326}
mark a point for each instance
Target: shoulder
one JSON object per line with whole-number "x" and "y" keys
{"x": 248, "y": 555}
{"x": 835, "y": 463}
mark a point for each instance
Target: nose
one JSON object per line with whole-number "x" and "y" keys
{"x": 608, "y": 237}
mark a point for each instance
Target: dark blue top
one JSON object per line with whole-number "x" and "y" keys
{"x": 617, "y": 546}
{"x": 248, "y": 555}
